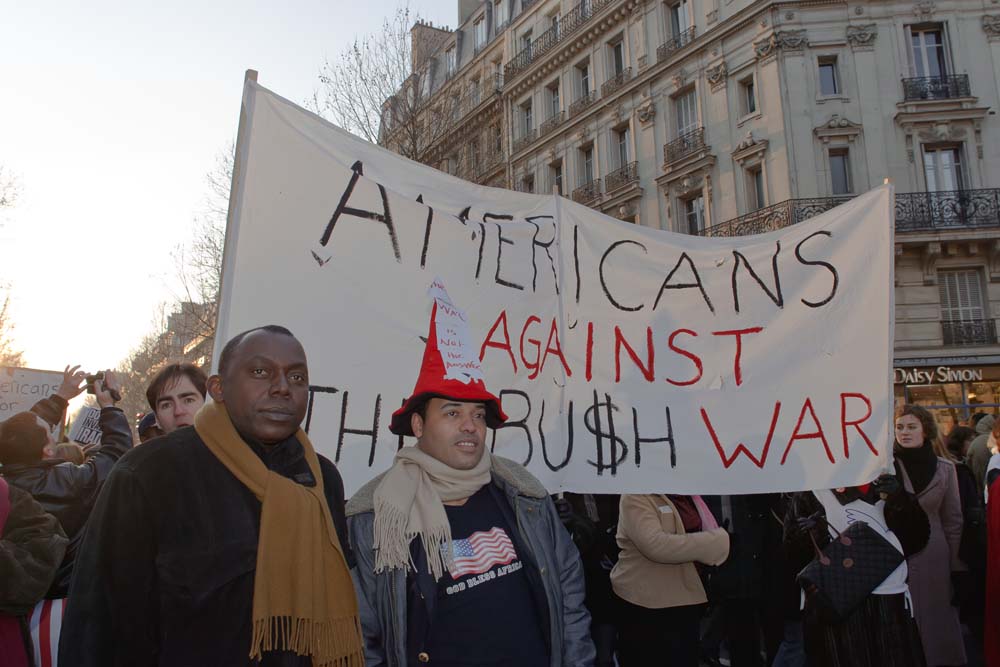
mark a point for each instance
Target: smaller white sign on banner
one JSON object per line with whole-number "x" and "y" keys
{"x": 453, "y": 339}
{"x": 86, "y": 427}
{"x": 20, "y": 388}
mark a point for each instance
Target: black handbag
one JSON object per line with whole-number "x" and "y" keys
{"x": 847, "y": 570}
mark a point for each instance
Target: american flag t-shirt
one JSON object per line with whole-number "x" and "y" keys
{"x": 481, "y": 551}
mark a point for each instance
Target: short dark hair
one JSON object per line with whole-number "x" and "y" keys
{"x": 976, "y": 418}
{"x": 227, "y": 352}
{"x": 171, "y": 374}
{"x": 957, "y": 439}
{"x": 22, "y": 439}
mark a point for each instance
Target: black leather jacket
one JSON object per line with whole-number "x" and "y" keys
{"x": 68, "y": 491}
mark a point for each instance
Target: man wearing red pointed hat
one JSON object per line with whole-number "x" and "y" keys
{"x": 461, "y": 557}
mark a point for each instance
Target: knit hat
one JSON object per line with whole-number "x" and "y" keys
{"x": 455, "y": 375}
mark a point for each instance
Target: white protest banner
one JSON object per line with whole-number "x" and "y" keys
{"x": 20, "y": 388}
{"x": 86, "y": 428}
{"x": 628, "y": 359}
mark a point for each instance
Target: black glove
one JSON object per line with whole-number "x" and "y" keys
{"x": 888, "y": 486}
{"x": 815, "y": 521}
{"x": 961, "y": 588}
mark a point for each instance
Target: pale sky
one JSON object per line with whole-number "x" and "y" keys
{"x": 111, "y": 114}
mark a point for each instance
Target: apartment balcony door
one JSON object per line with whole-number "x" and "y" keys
{"x": 945, "y": 183}
{"x": 928, "y": 52}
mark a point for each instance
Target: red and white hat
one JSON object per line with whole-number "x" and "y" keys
{"x": 456, "y": 374}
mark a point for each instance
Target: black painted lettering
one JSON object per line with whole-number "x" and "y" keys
{"x": 815, "y": 262}
{"x": 775, "y": 296}
{"x": 604, "y": 282}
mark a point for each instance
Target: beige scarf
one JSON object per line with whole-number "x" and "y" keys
{"x": 303, "y": 597}
{"x": 408, "y": 503}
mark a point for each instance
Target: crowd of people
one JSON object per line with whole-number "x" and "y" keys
{"x": 223, "y": 538}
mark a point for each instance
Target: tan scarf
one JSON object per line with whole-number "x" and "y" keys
{"x": 408, "y": 503}
{"x": 303, "y": 597}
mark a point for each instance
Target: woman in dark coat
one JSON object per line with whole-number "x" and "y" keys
{"x": 881, "y": 632}
{"x": 933, "y": 480}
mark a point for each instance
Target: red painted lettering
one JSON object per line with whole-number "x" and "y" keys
{"x": 693, "y": 357}
{"x": 737, "y": 371}
{"x": 740, "y": 447}
{"x": 818, "y": 433}
{"x": 856, "y": 423}
{"x": 504, "y": 345}
{"x": 620, "y": 342}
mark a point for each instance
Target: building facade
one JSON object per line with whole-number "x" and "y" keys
{"x": 730, "y": 117}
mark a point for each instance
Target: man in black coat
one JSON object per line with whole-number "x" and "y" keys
{"x": 166, "y": 575}
{"x": 65, "y": 490}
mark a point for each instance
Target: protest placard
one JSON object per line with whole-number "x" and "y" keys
{"x": 629, "y": 359}
{"x": 86, "y": 428}
{"x": 20, "y": 388}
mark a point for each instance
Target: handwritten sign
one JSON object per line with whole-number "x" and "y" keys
{"x": 629, "y": 359}
{"x": 20, "y": 388}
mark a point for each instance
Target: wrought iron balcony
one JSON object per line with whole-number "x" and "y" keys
{"x": 622, "y": 176}
{"x": 928, "y": 211}
{"x": 684, "y": 145}
{"x": 674, "y": 43}
{"x": 616, "y": 82}
{"x": 572, "y": 21}
{"x": 587, "y": 192}
{"x": 936, "y": 87}
{"x": 774, "y": 217}
{"x": 490, "y": 162}
{"x": 525, "y": 139}
{"x": 551, "y": 123}
{"x": 582, "y": 103}
{"x": 969, "y": 332}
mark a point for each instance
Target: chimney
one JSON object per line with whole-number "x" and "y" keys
{"x": 424, "y": 41}
{"x": 466, "y": 8}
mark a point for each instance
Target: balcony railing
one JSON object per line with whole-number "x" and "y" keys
{"x": 936, "y": 87}
{"x": 917, "y": 211}
{"x": 674, "y": 43}
{"x": 684, "y": 145}
{"x": 622, "y": 176}
{"x": 570, "y": 23}
{"x": 551, "y": 123}
{"x": 774, "y": 217}
{"x": 525, "y": 139}
{"x": 587, "y": 192}
{"x": 969, "y": 332}
{"x": 582, "y": 103}
{"x": 490, "y": 162}
{"x": 616, "y": 82}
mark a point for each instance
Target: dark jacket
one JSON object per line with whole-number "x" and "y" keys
{"x": 68, "y": 491}
{"x": 751, "y": 571}
{"x": 395, "y": 621}
{"x": 166, "y": 573}
{"x": 31, "y": 547}
{"x": 978, "y": 455}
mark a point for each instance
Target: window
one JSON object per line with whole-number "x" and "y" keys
{"x": 583, "y": 78}
{"x": 694, "y": 214}
{"x": 554, "y": 24}
{"x": 498, "y": 74}
{"x": 748, "y": 96}
{"x": 556, "y": 177}
{"x": 840, "y": 171}
{"x": 526, "y": 41}
{"x": 686, "y": 106}
{"x": 499, "y": 15}
{"x": 617, "y": 55}
{"x": 961, "y": 295}
{"x": 449, "y": 61}
{"x": 475, "y": 159}
{"x": 528, "y": 183}
{"x": 527, "y": 118}
{"x": 680, "y": 17}
{"x": 480, "y": 32}
{"x": 587, "y": 164}
{"x": 497, "y": 142}
{"x": 553, "y": 93}
{"x": 474, "y": 93}
{"x": 755, "y": 188}
{"x": 621, "y": 146}
{"x": 928, "y": 51}
{"x": 829, "y": 82}
{"x": 456, "y": 107}
{"x": 943, "y": 168}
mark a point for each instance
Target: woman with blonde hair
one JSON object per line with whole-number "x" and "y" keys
{"x": 933, "y": 480}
